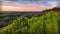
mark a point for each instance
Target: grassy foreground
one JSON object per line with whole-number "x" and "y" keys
{"x": 48, "y": 23}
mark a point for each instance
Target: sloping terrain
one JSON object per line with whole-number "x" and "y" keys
{"x": 7, "y": 17}
{"x": 47, "y": 23}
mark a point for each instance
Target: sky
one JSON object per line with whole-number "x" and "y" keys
{"x": 27, "y": 5}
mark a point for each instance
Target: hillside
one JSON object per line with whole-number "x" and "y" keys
{"x": 46, "y": 23}
{"x": 7, "y": 17}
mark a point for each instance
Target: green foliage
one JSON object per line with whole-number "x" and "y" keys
{"x": 48, "y": 23}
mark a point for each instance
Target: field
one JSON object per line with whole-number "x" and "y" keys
{"x": 46, "y": 22}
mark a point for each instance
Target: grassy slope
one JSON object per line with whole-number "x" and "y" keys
{"x": 7, "y": 17}
{"x": 47, "y": 23}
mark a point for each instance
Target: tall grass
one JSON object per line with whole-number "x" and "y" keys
{"x": 48, "y": 23}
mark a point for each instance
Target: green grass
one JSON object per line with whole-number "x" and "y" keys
{"x": 48, "y": 23}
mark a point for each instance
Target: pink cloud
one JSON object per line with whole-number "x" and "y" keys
{"x": 10, "y": 7}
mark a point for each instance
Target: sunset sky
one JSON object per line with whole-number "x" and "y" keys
{"x": 27, "y": 5}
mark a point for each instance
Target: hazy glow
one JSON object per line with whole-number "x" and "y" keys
{"x": 19, "y": 5}
{"x": 14, "y": 8}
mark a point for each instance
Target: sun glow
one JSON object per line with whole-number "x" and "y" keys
{"x": 16, "y": 8}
